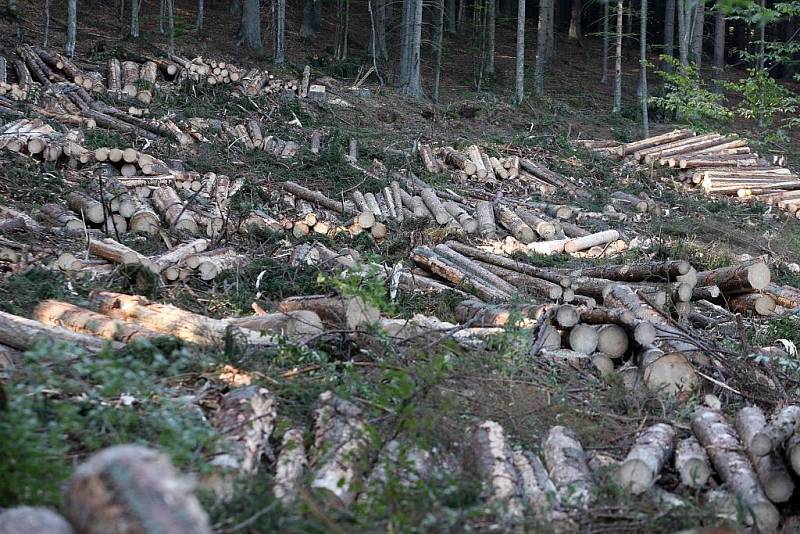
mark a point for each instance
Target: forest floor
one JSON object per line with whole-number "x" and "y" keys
{"x": 428, "y": 394}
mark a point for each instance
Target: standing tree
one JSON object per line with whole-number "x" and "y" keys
{"x": 440, "y": 7}
{"x": 161, "y": 7}
{"x": 311, "y": 19}
{"x": 684, "y": 33}
{"x": 669, "y": 32}
{"x": 198, "y": 24}
{"x": 452, "y": 16}
{"x": 488, "y": 64}
{"x": 250, "y": 26}
{"x": 519, "y": 81}
{"x": 278, "y": 31}
{"x": 643, "y": 69}
{"x": 697, "y": 33}
{"x": 606, "y": 42}
{"x": 377, "y": 36}
{"x": 542, "y": 44}
{"x": 411, "y": 41}
{"x": 46, "y": 23}
{"x": 342, "y": 28}
{"x": 575, "y": 28}
{"x": 617, "y": 107}
{"x": 762, "y": 25}
{"x": 135, "y": 5}
{"x": 72, "y": 27}
{"x": 720, "y": 27}
{"x": 171, "y": 25}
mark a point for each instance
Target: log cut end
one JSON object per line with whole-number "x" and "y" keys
{"x": 635, "y": 476}
{"x": 33, "y": 520}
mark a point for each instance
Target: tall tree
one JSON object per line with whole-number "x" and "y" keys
{"x": 669, "y": 31}
{"x": 452, "y": 16}
{"x": 72, "y": 27}
{"x": 697, "y": 33}
{"x": 720, "y": 27}
{"x": 519, "y": 78}
{"x": 410, "y": 83}
{"x": 342, "y": 28}
{"x": 762, "y": 25}
{"x": 171, "y": 25}
{"x": 643, "y": 68}
{"x": 278, "y": 31}
{"x": 135, "y": 5}
{"x": 549, "y": 26}
{"x": 491, "y": 8}
{"x": 606, "y": 41}
{"x": 11, "y": 6}
{"x": 575, "y": 27}
{"x": 542, "y": 43}
{"x": 439, "y": 27}
{"x": 198, "y": 23}
{"x": 617, "y": 107}
{"x": 46, "y": 38}
{"x": 251, "y": 25}
{"x": 311, "y": 19}
{"x": 161, "y": 8}
{"x": 684, "y": 31}
{"x": 377, "y": 36}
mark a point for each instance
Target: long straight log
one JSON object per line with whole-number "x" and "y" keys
{"x": 473, "y": 268}
{"x": 484, "y": 213}
{"x": 771, "y": 469}
{"x": 431, "y": 261}
{"x": 566, "y": 464}
{"x": 737, "y": 278}
{"x": 535, "y": 287}
{"x": 553, "y": 178}
{"x": 509, "y": 263}
{"x": 657, "y": 140}
{"x": 83, "y": 321}
{"x": 661, "y": 271}
{"x": 640, "y": 469}
{"x": 21, "y": 334}
{"x": 643, "y": 332}
{"x": 435, "y": 206}
{"x": 316, "y": 197}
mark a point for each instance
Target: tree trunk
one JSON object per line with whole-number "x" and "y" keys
{"x": 684, "y": 32}
{"x": 519, "y": 79}
{"x": 762, "y": 24}
{"x": 311, "y": 17}
{"x": 251, "y": 25}
{"x": 72, "y": 23}
{"x": 545, "y": 19}
{"x": 342, "y": 29}
{"x": 669, "y": 30}
{"x": 720, "y": 27}
{"x": 171, "y": 28}
{"x": 378, "y": 35}
{"x": 410, "y": 83}
{"x": 278, "y": 32}
{"x": 161, "y": 9}
{"x": 198, "y": 25}
{"x": 697, "y": 33}
{"x": 643, "y": 69}
{"x": 135, "y": 5}
{"x": 648, "y": 456}
{"x": 490, "y": 37}
{"x": 452, "y": 16}
{"x": 575, "y": 28}
{"x": 440, "y": 6}
{"x": 606, "y": 41}
{"x": 617, "y": 107}
{"x": 46, "y": 24}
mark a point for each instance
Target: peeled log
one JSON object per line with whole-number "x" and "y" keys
{"x": 83, "y": 321}
{"x": 512, "y": 222}
{"x": 33, "y": 520}
{"x": 245, "y": 420}
{"x": 489, "y": 457}
{"x": 132, "y": 489}
{"x": 719, "y": 440}
{"x": 291, "y": 467}
{"x": 341, "y": 312}
{"x": 737, "y": 278}
{"x": 771, "y": 469}
{"x": 644, "y": 462}
{"x": 582, "y": 243}
{"x": 340, "y": 440}
{"x": 566, "y": 464}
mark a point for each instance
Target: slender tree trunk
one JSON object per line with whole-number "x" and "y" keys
{"x": 410, "y": 83}
{"x": 161, "y": 4}
{"x": 278, "y": 31}
{"x": 519, "y": 81}
{"x": 46, "y": 23}
{"x": 462, "y": 15}
{"x": 761, "y": 36}
{"x": 171, "y": 25}
{"x": 452, "y": 16}
{"x": 405, "y": 41}
{"x": 618, "y": 60}
{"x": 377, "y": 38}
{"x": 628, "y": 23}
{"x": 135, "y": 5}
{"x": 342, "y": 29}
{"x": 72, "y": 27}
{"x": 545, "y": 17}
{"x": 251, "y": 24}
{"x": 311, "y": 20}
{"x": 720, "y": 27}
{"x": 550, "y": 44}
{"x": 606, "y": 41}
{"x": 575, "y": 28}
{"x": 12, "y": 7}
{"x": 490, "y": 31}
{"x": 697, "y": 33}
{"x": 669, "y": 31}
{"x": 440, "y": 7}
{"x": 643, "y": 69}
{"x": 683, "y": 32}
{"x": 198, "y": 25}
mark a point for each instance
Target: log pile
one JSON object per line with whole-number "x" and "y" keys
{"x": 714, "y": 164}
{"x": 251, "y": 136}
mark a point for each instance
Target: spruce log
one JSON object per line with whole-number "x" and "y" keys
{"x": 583, "y": 339}
{"x": 752, "y": 303}
{"x": 661, "y": 271}
{"x": 500, "y": 172}
{"x": 643, "y": 464}
{"x": 771, "y": 469}
{"x": 426, "y": 155}
{"x": 487, "y": 164}
{"x": 213, "y": 266}
{"x": 83, "y": 321}
{"x": 456, "y": 159}
{"x": 484, "y": 213}
{"x": 21, "y": 333}
{"x": 793, "y": 452}
{"x": 475, "y": 157}
{"x": 489, "y": 457}
{"x": 245, "y": 421}
{"x": 640, "y": 154}
{"x": 612, "y": 340}
{"x": 130, "y": 488}
{"x": 398, "y": 199}
{"x": 316, "y": 197}
{"x": 537, "y": 287}
{"x": 435, "y": 206}
{"x": 340, "y": 440}
{"x": 58, "y": 215}
{"x": 786, "y": 296}
{"x": 114, "y": 76}
{"x": 509, "y": 263}
{"x": 431, "y": 261}
{"x": 115, "y": 252}
{"x": 514, "y": 224}
{"x": 643, "y": 332}
{"x": 720, "y": 442}
{"x": 544, "y": 229}
{"x": 591, "y": 240}
{"x": 474, "y": 268}
{"x": 630, "y": 148}
{"x": 169, "y": 204}
{"x": 467, "y": 222}
{"x": 179, "y": 253}
{"x": 291, "y": 467}
{"x": 566, "y": 464}
{"x": 299, "y": 323}
{"x": 340, "y": 312}
{"x": 554, "y": 178}
{"x": 691, "y": 463}
{"x": 780, "y": 428}
{"x": 143, "y": 219}
{"x": 130, "y": 75}
{"x": 478, "y": 313}
{"x": 737, "y": 278}
{"x": 566, "y": 316}
{"x": 33, "y": 520}
{"x": 82, "y": 203}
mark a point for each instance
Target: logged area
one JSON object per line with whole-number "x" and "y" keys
{"x": 367, "y": 267}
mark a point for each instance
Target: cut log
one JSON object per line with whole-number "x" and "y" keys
{"x": 435, "y": 206}
{"x": 180, "y": 252}
{"x": 133, "y": 489}
{"x": 566, "y": 464}
{"x": 114, "y": 76}
{"x": 719, "y": 440}
{"x": 456, "y": 159}
{"x": 316, "y": 197}
{"x": 21, "y": 333}
{"x": 340, "y": 439}
{"x": 612, "y": 340}
{"x": 90, "y": 208}
{"x": 691, "y": 463}
{"x": 500, "y": 172}
{"x": 489, "y": 457}
{"x": 643, "y": 464}
{"x": 583, "y": 339}
{"x": 630, "y": 148}
{"x": 30, "y": 520}
{"x": 467, "y": 222}
{"x": 169, "y": 204}
{"x": 474, "y": 269}
{"x": 475, "y": 157}
{"x": 478, "y": 313}
{"x": 786, "y": 296}
{"x": 566, "y": 316}
{"x": 554, "y": 178}
{"x": 426, "y": 155}
{"x": 484, "y": 213}
{"x": 245, "y": 420}
{"x": 58, "y": 215}
{"x": 780, "y": 428}
{"x": 212, "y": 266}
{"x": 300, "y": 323}
{"x": 737, "y": 278}
{"x": 340, "y": 312}
{"x": 752, "y": 304}
{"x": 662, "y": 271}
{"x": 509, "y": 263}
{"x": 771, "y": 469}
{"x": 291, "y": 467}
{"x": 643, "y": 332}
{"x": 535, "y": 287}
{"x": 514, "y": 224}
{"x": 591, "y": 240}
{"x": 143, "y": 219}
{"x": 130, "y": 75}
{"x": 544, "y": 229}
{"x": 431, "y": 261}
{"x": 83, "y": 321}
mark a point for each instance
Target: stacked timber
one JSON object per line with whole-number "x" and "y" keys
{"x": 65, "y": 68}
{"x": 251, "y": 136}
{"x": 39, "y": 140}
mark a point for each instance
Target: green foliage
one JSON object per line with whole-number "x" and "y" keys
{"x": 22, "y": 291}
{"x": 762, "y": 97}
{"x": 64, "y": 402}
{"x": 686, "y": 97}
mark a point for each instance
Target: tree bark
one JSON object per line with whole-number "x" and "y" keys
{"x": 290, "y": 468}
{"x": 762, "y": 24}
{"x": 720, "y": 30}
{"x": 21, "y": 333}
{"x": 545, "y": 19}
{"x": 691, "y": 463}
{"x": 643, "y": 69}
{"x": 33, "y": 519}
{"x": 617, "y": 106}
{"x": 245, "y": 420}
{"x": 278, "y": 32}
{"x": 311, "y": 19}
{"x": 697, "y": 33}
{"x": 135, "y": 6}
{"x": 72, "y": 23}
{"x": 46, "y": 38}
{"x": 684, "y": 31}
{"x": 669, "y": 30}
{"x": 566, "y": 464}
{"x": 771, "y": 469}
{"x": 410, "y": 83}
{"x": 575, "y": 27}
{"x": 648, "y": 456}
{"x": 170, "y": 29}
{"x": 490, "y": 37}
{"x": 251, "y": 25}
{"x": 342, "y": 29}
{"x": 438, "y": 49}
{"x": 452, "y": 16}
{"x": 198, "y": 25}
{"x": 519, "y": 76}
{"x": 737, "y": 278}
{"x": 606, "y": 41}
{"x": 780, "y": 428}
